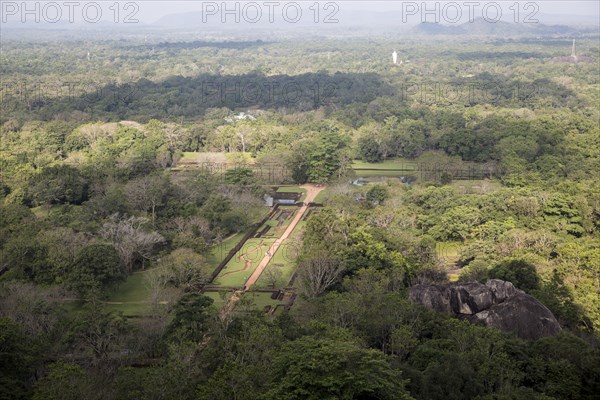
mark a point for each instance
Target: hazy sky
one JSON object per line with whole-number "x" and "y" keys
{"x": 152, "y": 10}
{"x": 348, "y": 11}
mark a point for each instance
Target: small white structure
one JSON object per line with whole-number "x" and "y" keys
{"x": 573, "y": 54}
{"x": 395, "y": 57}
{"x": 241, "y": 116}
{"x": 268, "y": 200}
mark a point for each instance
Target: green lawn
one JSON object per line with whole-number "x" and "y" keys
{"x": 133, "y": 289}
{"x": 45, "y": 211}
{"x": 234, "y": 273}
{"x": 364, "y": 173}
{"x": 219, "y": 298}
{"x": 259, "y": 300}
{"x": 322, "y": 196}
{"x": 227, "y": 277}
{"x": 215, "y": 156}
{"x": 220, "y": 251}
{"x": 396, "y": 163}
{"x": 448, "y": 251}
{"x": 283, "y": 260}
{"x": 189, "y": 156}
{"x": 131, "y": 309}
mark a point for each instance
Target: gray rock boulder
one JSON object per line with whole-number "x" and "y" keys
{"x": 431, "y": 296}
{"x": 521, "y": 314}
{"x": 497, "y": 304}
{"x": 501, "y": 289}
{"x": 470, "y": 298}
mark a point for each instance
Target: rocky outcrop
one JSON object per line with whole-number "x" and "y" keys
{"x": 497, "y": 304}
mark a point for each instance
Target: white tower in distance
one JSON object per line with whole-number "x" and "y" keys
{"x": 395, "y": 57}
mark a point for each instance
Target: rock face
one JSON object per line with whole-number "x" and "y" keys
{"x": 497, "y": 304}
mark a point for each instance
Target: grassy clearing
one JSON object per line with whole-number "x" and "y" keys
{"x": 40, "y": 211}
{"x": 396, "y": 164}
{"x": 219, "y": 298}
{"x": 131, "y": 309}
{"x": 259, "y": 300}
{"x": 281, "y": 262}
{"x": 134, "y": 293}
{"x": 448, "y": 251}
{"x": 365, "y": 173}
{"x": 216, "y": 157}
{"x": 133, "y": 289}
{"x": 322, "y": 196}
{"x": 189, "y": 156}
{"x": 44, "y": 211}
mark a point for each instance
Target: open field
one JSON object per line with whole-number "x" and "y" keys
{"x": 393, "y": 164}
{"x": 259, "y": 300}
{"x": 133, "y": 289}
{"x": 364, "y": 173}
{"x": 219, "y": 298}
{"x": 215, "y": 157}
{"x": 138, "y": 309}
{"x": 132, "y": 297}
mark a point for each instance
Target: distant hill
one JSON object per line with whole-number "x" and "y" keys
{"x": 484, "y": 28}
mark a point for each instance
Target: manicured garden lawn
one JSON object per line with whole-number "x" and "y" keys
{"x": 281, "y": 262}
{"x": 220, "y": 251}
{"x": 234, "y": 273}
{"x": 278, "y": 231}
{"x": 284, "y": 259}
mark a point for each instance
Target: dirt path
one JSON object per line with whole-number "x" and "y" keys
{"x": 311, "y": 192}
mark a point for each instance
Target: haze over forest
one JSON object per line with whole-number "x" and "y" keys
{"x": 300, "y": 200}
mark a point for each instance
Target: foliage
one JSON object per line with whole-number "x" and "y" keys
{"x": 311, "y": 368}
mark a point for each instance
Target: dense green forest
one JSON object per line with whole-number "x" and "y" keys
{"x": 108, "y": 190}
